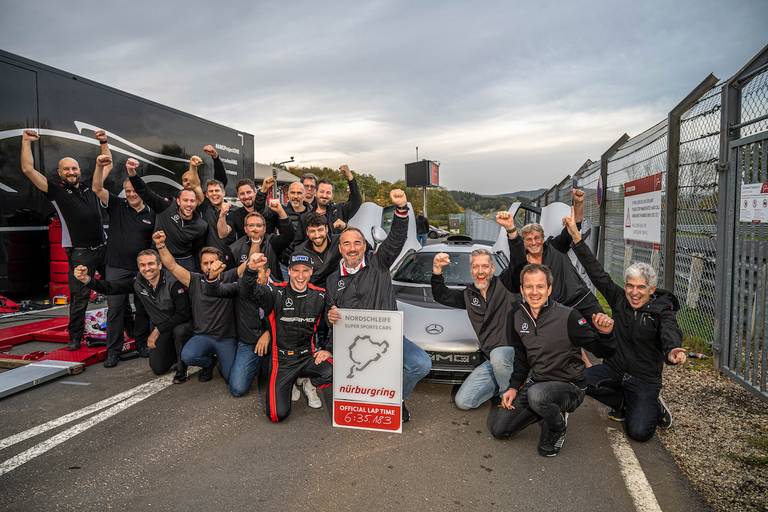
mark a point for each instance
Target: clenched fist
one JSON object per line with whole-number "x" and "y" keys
{"x": 603, "y": 323}
{"x": 215, "y": 270}
{"x": 339, "y": 225}
{"x": 210, "y": 151}
{"x": 397, "y": 196}
{"x": 30, "y": 135}
{"x": 578, "y": 196}
{"x": 81, "y": 274}
{"x": 101, "y": 136}
{"x": 195, "y": 161}
{"x": 103, "y": 160}
{"x": 505, "y": 220}
{"x": 158, "y": 237}
{"x": 267, "y": 184}
{"x": 441, "y": 261}
{"x": 257, "y": 261}
{"x": 344, "y": 169}
{"x": 131, "y": 165}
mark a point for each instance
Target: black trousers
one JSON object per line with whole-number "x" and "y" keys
{"x": 120, "y": 316}
{"x": 537, "y": 401}
{"x": 79, "y": 294}
{"x": 167, "y": 351}
{"x": 284, "y": 370}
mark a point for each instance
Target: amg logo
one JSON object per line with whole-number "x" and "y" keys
{"x": 451, "y": 358}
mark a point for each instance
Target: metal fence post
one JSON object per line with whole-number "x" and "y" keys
{"x": 673, "y": 173}
{"x": 604, "y": 179}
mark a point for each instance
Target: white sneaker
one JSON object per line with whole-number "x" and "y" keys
{"x": 312, "y": 399}
{"x": 295, "y": 394}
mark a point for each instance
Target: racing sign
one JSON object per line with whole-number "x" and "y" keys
{"x": 642, "y": 209}
{"x": 368, "y": 370}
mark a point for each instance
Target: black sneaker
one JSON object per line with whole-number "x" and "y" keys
{"x": 112, "y": 359}
{"x": 205, "y": 374}
{"x": 406, "y": 414}
{"x": 143, "y": 351}
{"x": 180, "y": 377}
{"x": 73, "y": 345}
{"x": 553, "y": 441}
{"x": 665, "y": 416}
{"x": 617, "y": 414}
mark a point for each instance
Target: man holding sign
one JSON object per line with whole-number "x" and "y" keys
{"x": 363, "y": 281}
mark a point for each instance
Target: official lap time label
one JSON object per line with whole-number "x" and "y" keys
{"x": 368, "y": 370}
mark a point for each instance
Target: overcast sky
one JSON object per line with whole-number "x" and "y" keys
{"x": 506, "y": 95}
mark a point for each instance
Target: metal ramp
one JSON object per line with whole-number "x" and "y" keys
{"x": 38, "y": 372}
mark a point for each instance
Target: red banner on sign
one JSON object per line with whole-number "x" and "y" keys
{"x": 365, "y": 415}
{"x": 643, "y": 185}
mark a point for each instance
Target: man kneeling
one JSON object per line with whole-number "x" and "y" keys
{"x": 294, "y": 310}
{"x": 548, "y": 338}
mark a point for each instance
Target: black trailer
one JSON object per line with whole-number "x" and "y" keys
{"x": 66, "y": 109}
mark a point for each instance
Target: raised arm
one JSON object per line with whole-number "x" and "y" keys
{"x": 104, "y": 150}
{"x": 191, "y": 178}
{"x": 168, "y": 261}
{"x": 97, "y": 183}
{"x": 223, "y": 229}
{"x": 28, "y": 161}
{"x": 156, "y": 201}
{"x": 117, "y": 287}
{"x": 440, "y": 292}
{"x": 219, "y": 172}
{"x": 389, "y": 250}
{"x": 254, "y": 282}
{"x": 350, "y": 207}
{"x": 283, "y": 240}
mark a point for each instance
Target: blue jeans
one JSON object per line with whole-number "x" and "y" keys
{"x": 489, "y": 379}
{"x": 638, "y": 398}
{"x": 199, "y": 350}
{"x": 422, "y": 239}
{"x": 416, "y": 366}
{"x": 244, "y": 369}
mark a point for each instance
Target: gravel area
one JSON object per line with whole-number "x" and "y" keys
{"x": 719, "y": 437}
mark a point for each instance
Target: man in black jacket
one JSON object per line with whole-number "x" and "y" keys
{"x": 294, "y": 310}
{"x": 335, "y": 212}
{"x": 167, "y": 304}
{"x": 548, "y": 379}
{"x": 363, "y": 281}
{"x": 488, "y": 301}
{"x": 257, "y": 240}
{"x": 647, "y": 336}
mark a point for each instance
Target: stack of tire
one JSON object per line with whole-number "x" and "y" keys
{"x": 59, "y": 284}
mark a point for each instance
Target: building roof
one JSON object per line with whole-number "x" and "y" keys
{"x": 261, "y": 171}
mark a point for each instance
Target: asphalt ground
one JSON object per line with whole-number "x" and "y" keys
{"x": 194, "y": 447}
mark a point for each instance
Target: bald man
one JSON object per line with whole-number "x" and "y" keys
{"x": 297, "y": 208}
{"x": 82, "y": 231}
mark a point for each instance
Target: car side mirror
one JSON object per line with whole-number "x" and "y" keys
{"x": 378, "y": 234}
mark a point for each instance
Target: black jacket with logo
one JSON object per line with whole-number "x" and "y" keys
{"x": 248, "y": 316}
{"x": 547, "y": 348}
{"x": 645, "y": 336}
{"x": 343, "y": 211}
{"x": 273, "y": 246}
{"x": 488, "y": 317}
{"x": 326, "y": 263}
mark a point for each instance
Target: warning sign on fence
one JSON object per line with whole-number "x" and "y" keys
{"x": 753, "y": 206}
{"x": 642, "y": 209}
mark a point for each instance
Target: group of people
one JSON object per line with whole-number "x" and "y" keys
{"x": 537, "y": 322}
{"x": 260, "y": 286}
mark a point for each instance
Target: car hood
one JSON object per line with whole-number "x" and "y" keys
{"x": 449, "y": 328}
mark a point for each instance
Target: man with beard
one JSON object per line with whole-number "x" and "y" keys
{"x": 166, "y": 302}
{"x": 363, "y": 281}
{"x": 335, "y": 212}
{"x": 213, "y": 318}
{"x": 82, "y": 232}
{"x": 296, "y": 209}
{"x": 257, "y": 240}
{"x": 294, "y": 310}
{"x": 231, "y": 221}
{"x": 488, "y": 302}
{"x": 323, "y": 249}
{"x": 131, "y": 223}
{"x": 647, "y": 336}
{"x": 548, "y": 378}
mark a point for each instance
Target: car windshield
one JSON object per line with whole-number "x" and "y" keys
{"x": 417, "y": 269}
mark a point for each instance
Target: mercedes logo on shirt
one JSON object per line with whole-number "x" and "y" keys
{"x": 288, "y": 302}
{"x": 434, "y": 329}
{"x": 475, "y": 301}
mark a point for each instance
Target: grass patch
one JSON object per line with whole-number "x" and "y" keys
{"x": 760, "y": 442}
{"x": 751, "y": 460}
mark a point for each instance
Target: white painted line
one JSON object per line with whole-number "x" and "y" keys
{"x": 76, "y": 415}
{"x": 634, "y": 478}
{"x": 148, "y": 390}
{"x": 74, "y": 383}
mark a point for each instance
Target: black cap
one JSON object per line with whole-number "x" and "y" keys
{"x": 300, "y": 258}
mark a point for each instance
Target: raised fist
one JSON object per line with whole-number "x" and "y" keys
{"x": 339, "y": 225}
{"x": 570, "y": 224}
{"x": 101, "y": 136}
{"x": 257, "y": 261}
{"x": 225, "y": 206}
{"x": 217, "y": 267}
{"x": 578, "y": 196}
{"x": 81, "y": 274}
{"x": 210, "y": 151}
{"x": 195, "y": 161}
{"x": 268, "y": 183}
{"x": 158, "y": 237}
{"x": 344, "y": 169}
{"x": 603, "y": 323}
{"x": 274, "y": 205}
{"x": 441, "y": 261}
{"x": 30, "y": 135}
{"x": 131, "y": 165}
{"x": 397, "y": 196}
{"x": 103, "y": 160}
{"x": 505, "y": 220}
